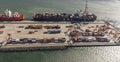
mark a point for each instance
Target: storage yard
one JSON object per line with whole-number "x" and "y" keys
{"x": 20, "y": 31}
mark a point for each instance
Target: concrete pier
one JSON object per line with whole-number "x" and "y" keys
{"x": 34, "y": 46}
{"x": 52, "y": 46}
{"x": 12, "y": 28}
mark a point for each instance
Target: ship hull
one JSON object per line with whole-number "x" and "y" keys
{"x": 66, "y": 17}
{"x": 19, "y": 17}
{"x": 40, "y": 19}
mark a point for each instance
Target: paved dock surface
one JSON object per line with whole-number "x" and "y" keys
{"x": 12, "y": 27}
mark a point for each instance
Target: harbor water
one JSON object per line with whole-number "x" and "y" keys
{"x": 108, "y": 10}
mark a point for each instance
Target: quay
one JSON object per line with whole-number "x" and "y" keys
{"x": 55, "y": 46}
{"x": 52, "y": 46}
{"x": 31, "y": 47}
{"x": 27, "y": 35}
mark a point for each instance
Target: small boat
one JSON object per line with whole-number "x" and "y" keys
{"x": 8, "y": 16}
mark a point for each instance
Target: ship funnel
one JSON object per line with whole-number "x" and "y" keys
{"x": 9, "y": 13}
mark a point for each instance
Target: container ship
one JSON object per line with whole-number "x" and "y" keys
{"x": 78, "y": 16}
{"x": 64, "y": 17}
{"x": 8, "y": 16}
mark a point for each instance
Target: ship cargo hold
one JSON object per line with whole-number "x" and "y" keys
{"x": 64, "y": 17}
